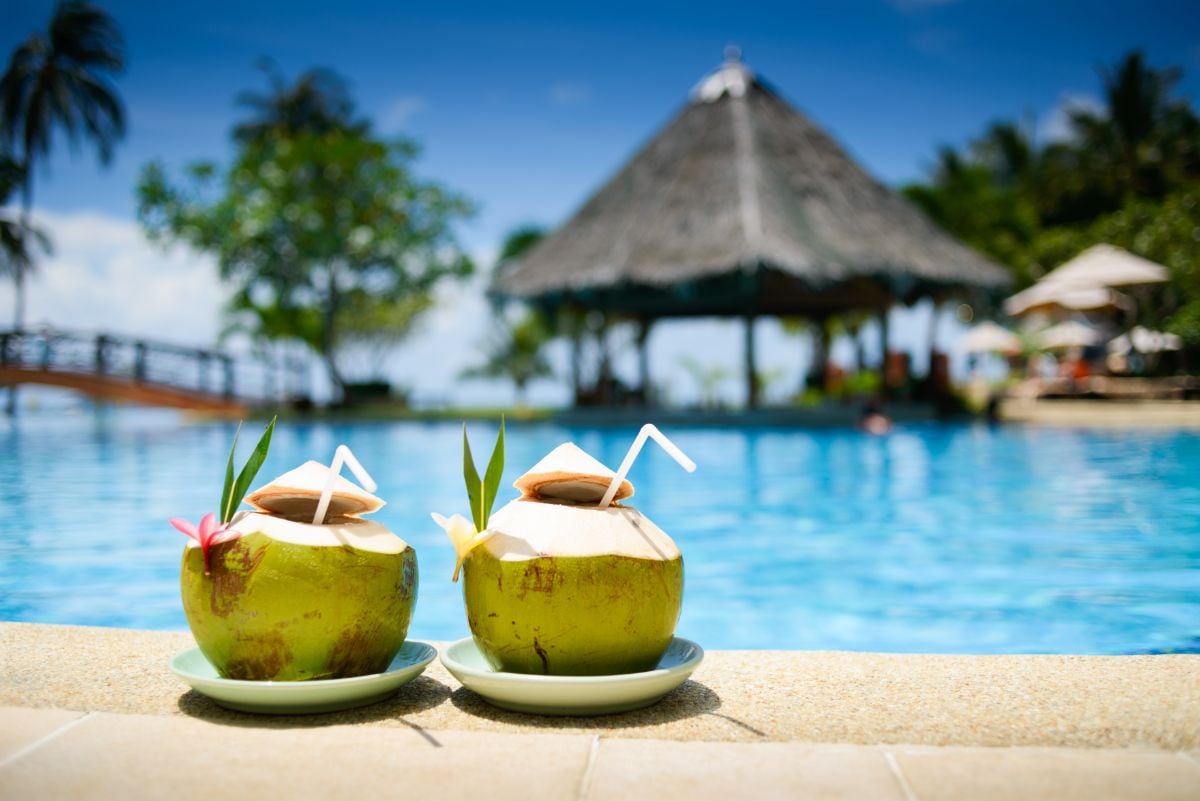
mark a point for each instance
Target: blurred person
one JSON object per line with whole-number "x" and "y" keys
{"x": 873, "y": 419}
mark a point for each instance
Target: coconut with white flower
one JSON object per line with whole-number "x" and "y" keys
{"x": 569, "y": 578}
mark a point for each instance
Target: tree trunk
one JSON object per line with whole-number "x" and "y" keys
{"x": 329, "y": 335}
{"x": 19, "y": 268}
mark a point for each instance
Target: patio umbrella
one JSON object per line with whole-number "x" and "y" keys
{"x": 1049, "y": 295}
{"x": 1071, "y": 334}
{"x": 988, "y": 337}
{"x": 1143, "y": 340}
{"x": 1108, "y": 265}
{"x": 1085, "y": 283}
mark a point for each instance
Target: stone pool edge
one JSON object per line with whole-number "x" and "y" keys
{"x": 1140, "y": 702}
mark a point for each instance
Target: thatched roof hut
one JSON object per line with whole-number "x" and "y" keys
{"x": 741, "y": 206}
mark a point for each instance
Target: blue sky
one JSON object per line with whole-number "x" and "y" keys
{"x": 527, "y": 108}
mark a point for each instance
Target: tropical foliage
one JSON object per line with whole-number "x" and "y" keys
{"x": 18, "y": 238}
{"x": 515, "y": 349}
{"x": 55, "y": 81}
{"x": 1128, "y": 174}
{"x": 315, "y": 223}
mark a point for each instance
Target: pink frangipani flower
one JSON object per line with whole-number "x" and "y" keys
{"x": 209, "y": 534}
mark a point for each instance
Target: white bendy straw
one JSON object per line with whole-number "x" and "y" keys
{"x": 648, "y": 430}
{"x": 341, "y": 456}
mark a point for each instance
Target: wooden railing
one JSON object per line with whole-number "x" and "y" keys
{"x": 129, "y": 368}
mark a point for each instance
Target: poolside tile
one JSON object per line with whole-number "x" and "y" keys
{"x": 658, "y": 769}
{"x": 21, "y": 727}
{"x": 135, "y": 757}
{"x": 1065, "y": 774}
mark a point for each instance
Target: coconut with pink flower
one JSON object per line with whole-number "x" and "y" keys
{"x": 301, "y": 586}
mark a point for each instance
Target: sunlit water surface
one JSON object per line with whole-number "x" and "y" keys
{"x": 936, "y": 538}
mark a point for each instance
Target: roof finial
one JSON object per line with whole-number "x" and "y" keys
{"x": 733, "y": 54}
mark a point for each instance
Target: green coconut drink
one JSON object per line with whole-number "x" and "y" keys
{"x": 558, "y": 583}
{"x": 274, "y": 596}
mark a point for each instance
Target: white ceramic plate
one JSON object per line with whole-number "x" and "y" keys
{"x": 302, "y": 697}
{"x": 571, "y": 695}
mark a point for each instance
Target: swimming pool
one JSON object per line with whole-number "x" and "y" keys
{"x": 937, "y": 538}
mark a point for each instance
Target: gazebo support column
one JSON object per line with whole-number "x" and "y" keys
{"x": 751, "y": 366}
{"x": 934, "y": 313}
{"x": 643, "y": 337}
{"x": 576, "y": 364}
{"x": 820, "y": 355}
{"x": 884, "y": 345}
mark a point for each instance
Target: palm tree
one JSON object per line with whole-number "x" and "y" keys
{"x": 516, "y": 348}
{"x": 17, "y": 241}
{"x": 318, "y": 102}
{"x": 1131, "y": 141}
{"x": 516, "y": 352}
{"x": 59, "y": 80}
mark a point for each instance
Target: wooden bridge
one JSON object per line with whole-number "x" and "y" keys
{"x": 124, "y": 369}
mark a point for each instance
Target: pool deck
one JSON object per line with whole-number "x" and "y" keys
{"x": 95, "y": 713}
{"x": 1103, "y": 413}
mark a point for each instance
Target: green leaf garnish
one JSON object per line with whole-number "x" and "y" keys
{"x": 481, "y": 494}
{"x": 227, "y": 490}
{"x": 491, "y": 477}
{"x": 474, "y": 485}
{"x": 249, "y": 471}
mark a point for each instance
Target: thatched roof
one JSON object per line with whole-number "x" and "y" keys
{"x": 741, "y": 201}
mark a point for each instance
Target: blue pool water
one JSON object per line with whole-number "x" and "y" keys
{"x": 936, "y": 538}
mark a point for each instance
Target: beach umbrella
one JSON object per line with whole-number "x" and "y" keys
{"x": 1070, "y": 334}
{"x": 1143, "y": 340}
{"x": 988, "y": 337}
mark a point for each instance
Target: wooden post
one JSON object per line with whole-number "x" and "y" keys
{"x": 933, "y": 325}
{"x": 885, "y": 390}
{"x": 644, "y": 359}
{"x": 576, "y": 363}
{"x": 820, "y": 354}
{"x": 139, "y": 361}
{"x": 751, "y": 367}
{"x": 101, "y": 354}
{"x": 202, "y": 358}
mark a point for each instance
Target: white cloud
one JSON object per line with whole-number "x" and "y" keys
{"x": 564, "y": 93}
{"x": 400, "y": 111}
{"x": 105, "y": 276}
{"x": 1056, "y": 125}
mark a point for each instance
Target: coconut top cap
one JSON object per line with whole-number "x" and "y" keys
{"x": 297, "y": 493}
{"x": 568, "y": 473}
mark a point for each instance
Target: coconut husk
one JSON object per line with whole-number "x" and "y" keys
{"x": 568, "y": 473}
{"x": 296, "y": 494}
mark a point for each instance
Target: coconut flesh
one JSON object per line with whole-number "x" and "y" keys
{"x": 565, "y": 588}
{"x": 289, "y": 600}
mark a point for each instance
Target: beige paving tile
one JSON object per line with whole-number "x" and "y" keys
{"x": 658, "y": 769}
{"x": 21, "y": 727}
{"x": 1064, "y": 774}
{"x": 134, "y": 757}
